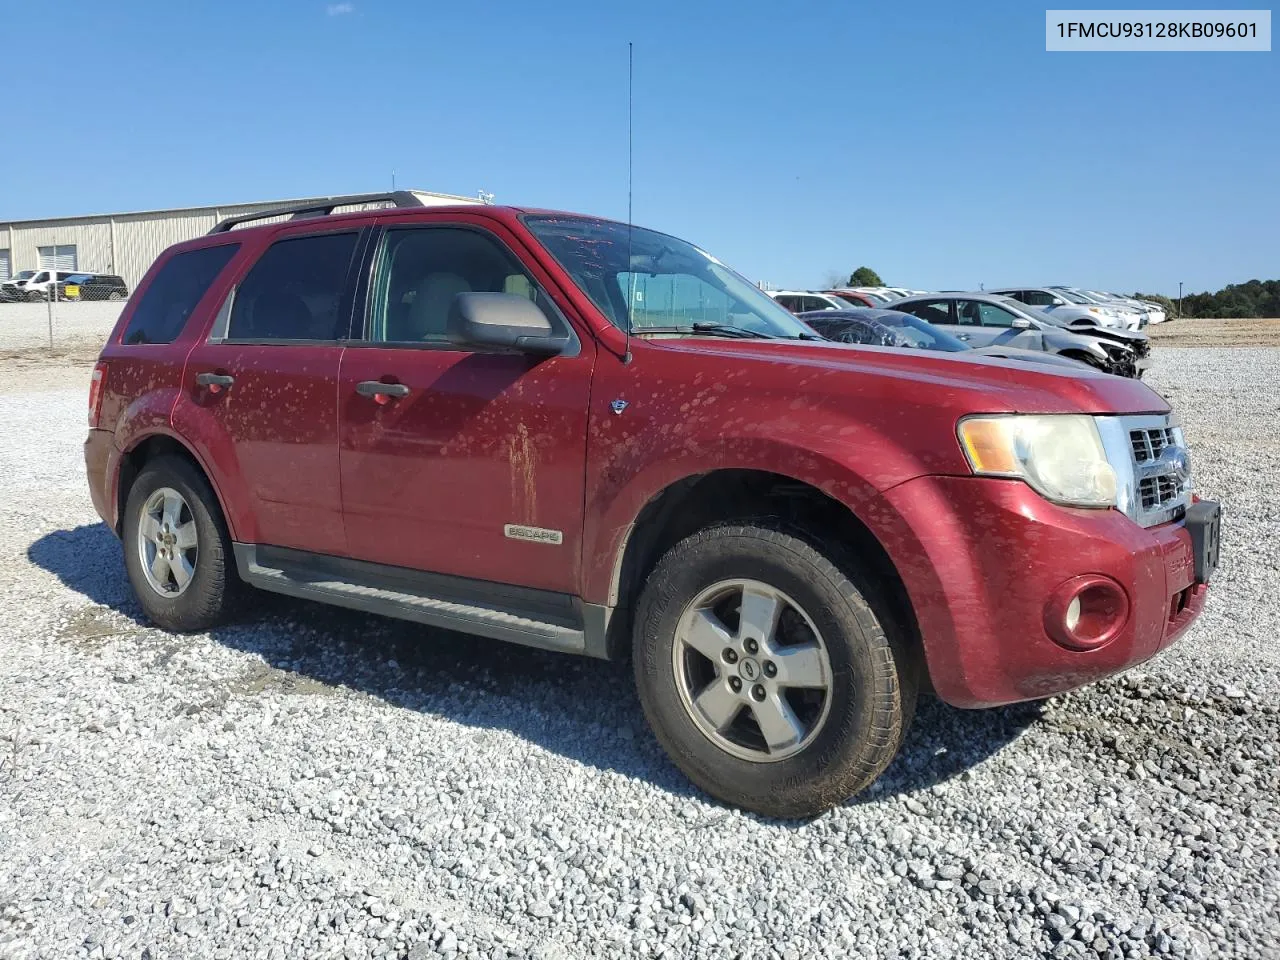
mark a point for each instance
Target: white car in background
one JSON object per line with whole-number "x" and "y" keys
{"x": 806, "y": 301}
{"x": 1154, "y": 312}
{"x": 1073, "y": 309}
{"x": 1135, "y": 318}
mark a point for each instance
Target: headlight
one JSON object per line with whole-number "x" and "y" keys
{"x": 1060, "y": 456}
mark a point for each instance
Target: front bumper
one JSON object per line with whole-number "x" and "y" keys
{"x": 981, "y": 558}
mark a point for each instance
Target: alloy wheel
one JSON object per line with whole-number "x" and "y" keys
{"x": 752, "y": 670}
{"x": 168, "y": 544}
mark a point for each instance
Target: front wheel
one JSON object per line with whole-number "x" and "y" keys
{"x": 177, "y": 549}
{"x": 766, "y": 674}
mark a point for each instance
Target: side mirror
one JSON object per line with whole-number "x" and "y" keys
{"x": 1057, "y": 302}
{"x": 502, "y": 321}
{"x": 1021, "y": 323}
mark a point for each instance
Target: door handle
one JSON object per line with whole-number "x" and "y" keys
{"x": 963, "y": 336}
{"x": 381, "y": 392}
{"x": 216, "y": 382}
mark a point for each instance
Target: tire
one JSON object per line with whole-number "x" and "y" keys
{"x": 115, "y": 295}
{"x": 867, "y": 704}
{"x": 212, "y": 590}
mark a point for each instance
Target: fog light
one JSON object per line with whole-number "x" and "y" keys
{"x": 1072, "y": 618}
{"x": 1086, "y": 613}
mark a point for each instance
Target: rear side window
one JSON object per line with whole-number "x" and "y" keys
{"x": 173, "y": 294}
{"x": 296, "y": 291}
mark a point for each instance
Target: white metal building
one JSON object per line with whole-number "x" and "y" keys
{"x": 125, "y": 244}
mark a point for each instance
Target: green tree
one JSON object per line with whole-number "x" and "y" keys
{"x": 865, "y": 277}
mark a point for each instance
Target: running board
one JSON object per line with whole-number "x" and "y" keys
{"x": 393, "y": 592}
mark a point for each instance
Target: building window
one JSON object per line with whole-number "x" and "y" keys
{"x": 60, "y": 257}
{"x": 6, "y": 267}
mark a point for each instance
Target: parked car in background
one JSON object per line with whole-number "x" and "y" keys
{"x": 852, "y": 297}
{"x": 92, "y": 286}
{"x": 635, "y": 475}
{"x": 892, "y": 328}
{"x": 878, "y": 294}
{"x": 801, "y": 301}
{"x": 44, "y": 284}
{"x": 1134, "y": 317}
{"x": 1152, "y": 312}
{"x": 14, "y": 288}
{"x": 985, "y": 319}
{"x": 1071, "y": 311}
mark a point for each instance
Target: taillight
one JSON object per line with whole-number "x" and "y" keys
{"x": 97, "y": 383}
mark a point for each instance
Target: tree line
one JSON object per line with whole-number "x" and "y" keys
{"x": 1257, "y": 298}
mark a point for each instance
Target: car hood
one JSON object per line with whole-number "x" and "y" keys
{"x": 1130, "y": 338}
{"x": 1030, "y": 356}
{"x": 964, "y": 383}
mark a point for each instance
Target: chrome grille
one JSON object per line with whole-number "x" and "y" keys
{"x": 1157, "y": 492}
{"x": 1148, "y": 444}
{"x": 1152, "y": 468}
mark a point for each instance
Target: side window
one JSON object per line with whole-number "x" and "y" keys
{"x": 967, "y": 313}
{"x": 1036, "y": 298}
{"x": 989, "y": 315}
{"x": 937, "y": 311}
{"x": 816, "y": 303}
{"x": 295, "y": 291}
{"x": 788, "y": 302}
{"x": 420, "y": 272}
{"x": 173, "y": 294}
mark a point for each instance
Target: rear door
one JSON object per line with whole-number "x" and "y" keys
{"x": 471, "y": 464}
{"x": 264, "y": 383}
{"x": 939, "y": 313}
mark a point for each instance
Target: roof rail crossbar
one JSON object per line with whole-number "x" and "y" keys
{"x": 322, "y": 207}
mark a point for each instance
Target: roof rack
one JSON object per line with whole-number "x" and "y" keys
{"x": 322, "y": 207}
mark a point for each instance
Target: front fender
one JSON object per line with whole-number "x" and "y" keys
{"x": 851, "y": 473}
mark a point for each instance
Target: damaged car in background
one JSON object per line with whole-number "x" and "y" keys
{"x": 984, "y": 319}
{"x": 892, "y": 328}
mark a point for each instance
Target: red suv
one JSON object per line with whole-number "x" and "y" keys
{"x": 567, "y": 432}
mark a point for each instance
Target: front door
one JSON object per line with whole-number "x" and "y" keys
{"x": 267, "y": 380}
{"x": 986, "y": 324}
{"x": 468, "y": 464}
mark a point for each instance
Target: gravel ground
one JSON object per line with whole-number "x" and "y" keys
{"x": 322, "y": 784}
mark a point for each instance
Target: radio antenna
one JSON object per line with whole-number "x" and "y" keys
{"x": 631, "y": 287}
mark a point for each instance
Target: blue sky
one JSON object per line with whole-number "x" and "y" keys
{"x": 939, "y": 144}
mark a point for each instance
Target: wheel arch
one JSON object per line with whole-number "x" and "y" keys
{"x": 147, "y": 448}
{"x": 695, "y": 502}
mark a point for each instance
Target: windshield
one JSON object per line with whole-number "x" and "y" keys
{"x": 1035, "y": 313}
{"x": 24, "y": 275}
{"x": 887, "y": 328}
{"x": 664, "y": 282}
{"x": 1073, "y": 295}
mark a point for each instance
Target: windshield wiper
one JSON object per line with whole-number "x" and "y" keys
{"x": 710, "y": 329}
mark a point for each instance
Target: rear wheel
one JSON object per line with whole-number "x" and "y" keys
{"x": 765, "y": 673}
{"x": 177, "y": 549}
{"x": 115, "y": 295}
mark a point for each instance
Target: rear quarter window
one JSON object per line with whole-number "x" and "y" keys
{"x": 170, "y": 298}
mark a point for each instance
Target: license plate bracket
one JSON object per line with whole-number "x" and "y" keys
{"x": 1204, "y": 523}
